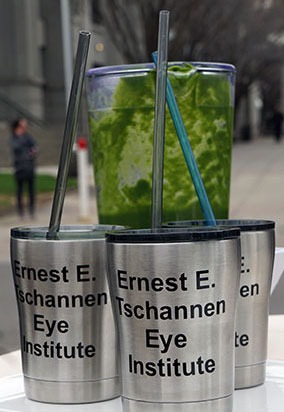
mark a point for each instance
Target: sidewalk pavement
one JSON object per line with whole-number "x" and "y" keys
{"x": 257, "y": 183}
{"x": 71, "y": 214}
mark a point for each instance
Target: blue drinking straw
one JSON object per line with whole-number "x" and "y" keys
{"x": 187, "y": 152}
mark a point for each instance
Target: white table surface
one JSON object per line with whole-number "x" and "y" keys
{"x": 265, "y": 398}
{"x": 278, "y": 267}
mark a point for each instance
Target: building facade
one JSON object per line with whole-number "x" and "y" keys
{"x": 32, "y": 72}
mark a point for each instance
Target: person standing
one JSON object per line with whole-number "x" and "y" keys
{"x": 277, "y": 124}
{"x": 24, "y": 153}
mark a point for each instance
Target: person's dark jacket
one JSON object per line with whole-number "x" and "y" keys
{"x": 24, "y": 150}
{"x": 277, "y": 121}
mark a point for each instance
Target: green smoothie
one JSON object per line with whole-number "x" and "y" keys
{"x": 121, "y": 118}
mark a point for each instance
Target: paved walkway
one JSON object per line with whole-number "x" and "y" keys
{"x": 71, "y": 214}
{"x": 257, "y": 184}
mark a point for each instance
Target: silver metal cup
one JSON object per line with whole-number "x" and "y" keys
{"x": 258, "y": 248}
{"x": 68, "y": 339}
{"x": 257, "y": 258}
{"x": 174, "y": 294}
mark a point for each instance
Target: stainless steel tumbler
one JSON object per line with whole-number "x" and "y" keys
{"x": 257, "y": 258}
{"x": 68, "y": 339}
{"x": 174, "y": 293}
{"x": 258, "y": 248}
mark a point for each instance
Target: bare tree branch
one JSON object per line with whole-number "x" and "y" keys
{"x": 233, "y": 31}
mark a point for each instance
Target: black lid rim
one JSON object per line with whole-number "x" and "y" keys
{"x": 167, "y": 235}
{"x": 65, "y": 232}
{"x": 245, "y": 225}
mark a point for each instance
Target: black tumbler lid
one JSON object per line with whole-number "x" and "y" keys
{"x": 245, "y": 225}
{"x": 163, "y": 235}
{"x": 65, "y": 233}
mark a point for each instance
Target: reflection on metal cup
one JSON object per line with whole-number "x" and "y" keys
{"x": 68, "y": 339}
{"x": 257, "y": 257}
{"x": 174, "y": 293}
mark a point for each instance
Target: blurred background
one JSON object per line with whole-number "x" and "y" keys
{"x": 38, "y": 41}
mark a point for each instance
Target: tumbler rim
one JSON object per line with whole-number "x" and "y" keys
{"x": 148, "y": 67}
{"x": 166, "y": 235}
{"x": 66, "y": 232}
{"x": 245, "y": 225}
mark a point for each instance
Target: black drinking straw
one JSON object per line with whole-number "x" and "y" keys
{"x": 69, "y": 133}
{"x": 159, "y": 126}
